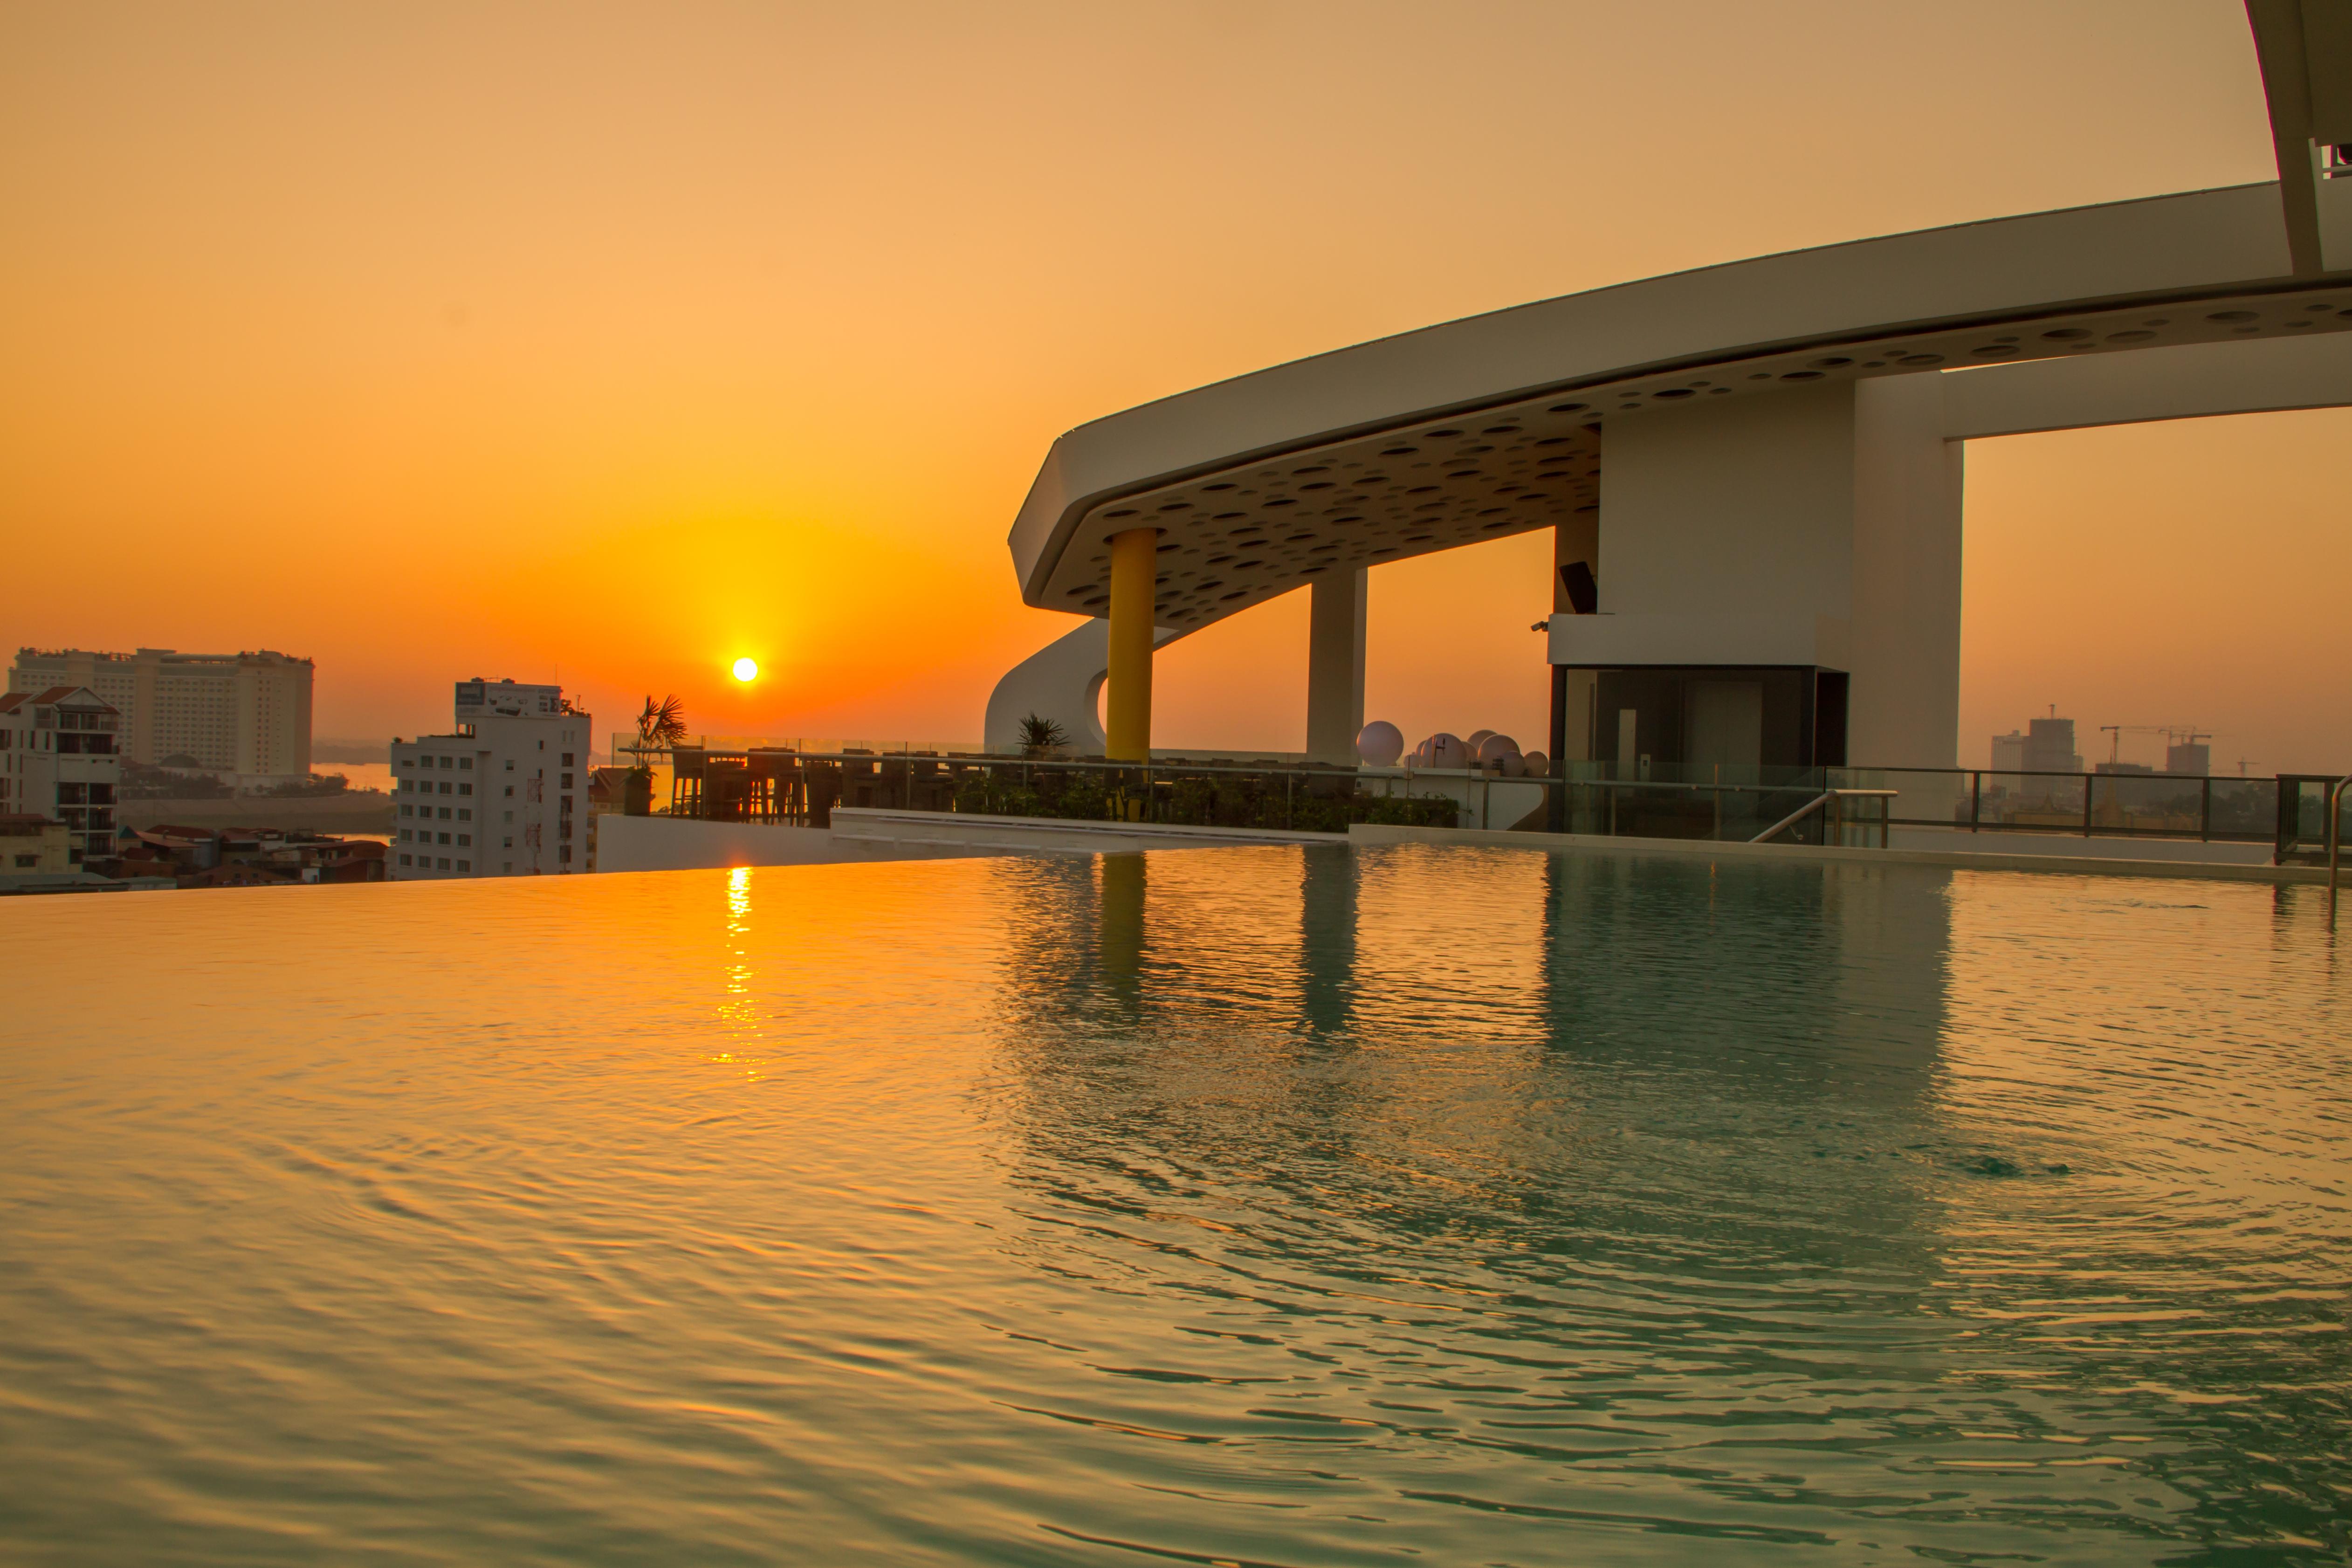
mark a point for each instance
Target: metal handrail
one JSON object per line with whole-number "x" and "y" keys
{"x": 1816, "y": 804}
{"x": 1795, "y": 816}
{"x": 2335, "y": 841}
{"x": 1405, "y": 773}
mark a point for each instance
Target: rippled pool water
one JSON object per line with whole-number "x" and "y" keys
{"x": 1253, "y": 1207}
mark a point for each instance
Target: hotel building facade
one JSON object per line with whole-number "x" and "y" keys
{"x": 243, "y": 716}
{"x": 504, "y": 794}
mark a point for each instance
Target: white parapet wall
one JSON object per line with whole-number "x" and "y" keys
{"x": 685, "y": 844}
{"x": 1959, "y": 841}
{"x": 947, "y": 833}
{"x": 1372, "y": 836}
{"x": 858, "y": 833}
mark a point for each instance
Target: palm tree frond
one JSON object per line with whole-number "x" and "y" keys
{"x": 662, "y": 724}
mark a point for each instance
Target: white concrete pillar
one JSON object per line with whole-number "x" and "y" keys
{"x": 1335, "y": 667}
{"x": 1818, "y": 525}
{"x": 1576, "y": 539}
{"x": 1904, "y": 708}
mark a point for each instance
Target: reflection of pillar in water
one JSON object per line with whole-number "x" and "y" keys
{"x": 1122, "y": 919}
{"x": 1829, "y": 958}
{"x": 1888, "y": 989}
{"x": 1327, "y": 937}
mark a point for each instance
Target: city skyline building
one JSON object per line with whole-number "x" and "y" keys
{"x": 501, "y": 796}
{"x": 2009, "y": 753}
{"x": 244, "y": 717}
{"x": 2050, "y": 746}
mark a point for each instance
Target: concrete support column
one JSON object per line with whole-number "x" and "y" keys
{"x": 1335, "y": 667}
{"x": 1134, "y": 563}
{"x": 1573, "y": 542}
{"x": 1904, "y": 708}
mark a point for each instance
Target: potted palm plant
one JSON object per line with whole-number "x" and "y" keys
{"x": 661, "y": 726}
{"x": 1042, "y": 737}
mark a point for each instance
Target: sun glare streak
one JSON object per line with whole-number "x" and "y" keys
{"x": 739, "y": 1013}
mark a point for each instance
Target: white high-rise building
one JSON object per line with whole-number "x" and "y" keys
{"x": 504, "y": 796}
{"x": 243, "y": 716}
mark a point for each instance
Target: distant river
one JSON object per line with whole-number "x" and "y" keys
{"x": 362, "y": 775}
{"x": 1243, "y": 1206}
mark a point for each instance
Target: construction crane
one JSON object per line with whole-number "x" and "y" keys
{"x": 2174, "y": 735}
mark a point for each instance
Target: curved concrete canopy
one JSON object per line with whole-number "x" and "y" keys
{"x": 1491, "y": 426}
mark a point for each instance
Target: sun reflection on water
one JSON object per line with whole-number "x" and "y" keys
{"x": 738, "y": 1010}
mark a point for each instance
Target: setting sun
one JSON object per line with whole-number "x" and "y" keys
{"x": 747, "y": 668}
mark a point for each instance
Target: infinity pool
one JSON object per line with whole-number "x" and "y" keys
{"x": 1246, "y": 1207}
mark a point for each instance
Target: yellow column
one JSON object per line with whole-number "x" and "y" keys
{"x": 1134, "y": 562}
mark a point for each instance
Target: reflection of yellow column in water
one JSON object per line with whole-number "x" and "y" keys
{"x": 1134, "y": 561}
{"x": 1122, "y": 917}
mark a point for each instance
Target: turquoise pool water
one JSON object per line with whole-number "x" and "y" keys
{"x": 1249, "y": 1207}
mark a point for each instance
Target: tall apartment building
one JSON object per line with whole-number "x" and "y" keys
{"x": 58, "y": 760}
{"x": 245, "y": 716}
{"x": 504, "y": 796}
{"x": 2050, "y": 746}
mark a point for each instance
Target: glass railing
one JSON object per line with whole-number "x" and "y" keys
{"x": 785, "y": 784}
{"x": 2128, "y": 806}
{"x": 625, "y": 748}
{"x": 804, "y": 788}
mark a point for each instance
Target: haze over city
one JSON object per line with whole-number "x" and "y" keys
{"x": 1294, "y": 781}
{"x": 595, "y": 344}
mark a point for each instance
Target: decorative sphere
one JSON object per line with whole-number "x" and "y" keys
{"x": 747, "y": 670}
{"x": 1475, "y": 738}
{"x": 1535, "y": 764}
{"x": 1380, "y": 743}
{"x": 1444, "y": 750}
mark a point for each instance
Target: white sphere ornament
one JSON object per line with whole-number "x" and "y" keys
{"x": 1535, "y": 766}
{"x": 1475, "y": 738}
{"x": 1446, "y": 751}
{"x": 1380, "y": 743}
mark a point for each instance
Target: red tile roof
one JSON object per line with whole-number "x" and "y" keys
{"x": 54, "y": 695}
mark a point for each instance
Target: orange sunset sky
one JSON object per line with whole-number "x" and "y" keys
{"x": 440, "y": 340}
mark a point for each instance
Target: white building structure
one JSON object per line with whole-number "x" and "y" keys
{"x": 505, "y": 794}
{"x": 58, "y": 760}
{"x": 33, "y": 846}
{"x": 1752, "y": 473}
{"x": 244, "y": 717}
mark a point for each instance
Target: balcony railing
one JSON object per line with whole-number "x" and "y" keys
{"x": 784, "y": 785}
{"x": 777, "y": 785}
